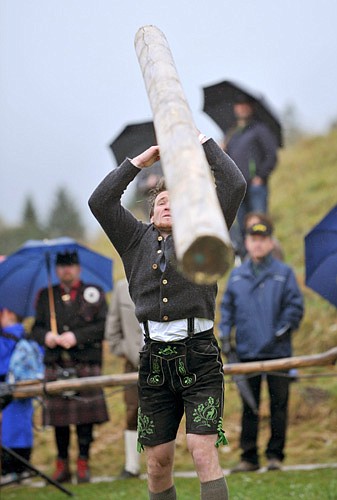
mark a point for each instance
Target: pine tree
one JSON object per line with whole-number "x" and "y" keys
{"x": 29, "y": 218}
{"x": 64, "y": 218}
{"x": 12, "y": 237}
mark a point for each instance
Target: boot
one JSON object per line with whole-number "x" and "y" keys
{"x": 83, "y": 471}
{"x": 62, "y": 473}
{"x": 132, "y": 466}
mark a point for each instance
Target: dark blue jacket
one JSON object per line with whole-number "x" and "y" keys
{"x": 259, "y": 307}
{"x": 253, "y": 149}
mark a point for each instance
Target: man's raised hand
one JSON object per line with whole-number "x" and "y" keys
{"x": 147, "y": 158}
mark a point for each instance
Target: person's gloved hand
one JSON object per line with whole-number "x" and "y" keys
{"x": 226, "y": 346}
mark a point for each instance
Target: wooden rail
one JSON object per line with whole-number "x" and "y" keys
{"x": 37, "y": 388}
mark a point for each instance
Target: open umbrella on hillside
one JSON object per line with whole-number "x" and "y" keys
{"x": 321, "y": 257}
{"x": 31, "y": 267}
{"x": 133, "y": 140}
{"x": 219, "y": 102}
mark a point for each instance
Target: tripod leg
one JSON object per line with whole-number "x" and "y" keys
{"x": 31, "y": 467}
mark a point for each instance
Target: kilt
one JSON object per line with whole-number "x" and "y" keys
{"x": 83, "y": 407}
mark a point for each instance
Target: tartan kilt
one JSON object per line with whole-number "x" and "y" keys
{"x": 83, "y": 407}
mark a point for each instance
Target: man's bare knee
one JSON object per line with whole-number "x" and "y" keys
{"x": 205, "y": 456}
{"x": 160, "y": 466}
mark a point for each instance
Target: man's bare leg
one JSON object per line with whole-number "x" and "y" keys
{"x": 206, "y": 460}
{"x": 159, "y": 461}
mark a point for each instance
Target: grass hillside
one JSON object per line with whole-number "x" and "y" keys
{"x": 302, "y": 191}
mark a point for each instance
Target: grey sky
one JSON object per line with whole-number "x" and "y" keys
{"x": 70, "y": 78}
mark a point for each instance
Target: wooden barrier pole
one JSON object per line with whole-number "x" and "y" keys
{"x": 35, "y": 388}
{"x": 321, "y": 359}
{"x": 202, "y": 242}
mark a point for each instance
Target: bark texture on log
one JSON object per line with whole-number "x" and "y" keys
{"x": 202, "y": 241}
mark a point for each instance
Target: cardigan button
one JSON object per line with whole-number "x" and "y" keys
{"x": 165, "y": 299}
{"x": 165, "y": 318}
{"x": 164, "y": 282}
{"x": 154, "y": 266}
{"x": 160, "y": 238}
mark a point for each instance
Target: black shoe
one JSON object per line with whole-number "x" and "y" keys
{"x": 125, "y": 474}
{"x": 245, "y": 466}
{"x": 274, "y": 464}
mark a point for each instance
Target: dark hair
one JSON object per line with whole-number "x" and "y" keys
{"x": 159, "y": 188}
{"x": 241, "y": 98}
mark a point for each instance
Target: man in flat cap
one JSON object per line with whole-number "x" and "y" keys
{"x": 264, "y": 305}
{"x": 75, "y": 350}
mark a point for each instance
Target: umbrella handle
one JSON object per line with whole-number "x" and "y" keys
{"x": 53, "y": 324}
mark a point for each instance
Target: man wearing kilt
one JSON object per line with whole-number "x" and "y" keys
{"x": 74, "y": 351}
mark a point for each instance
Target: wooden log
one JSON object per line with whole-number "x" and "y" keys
{"x": 202, "y": 242}
{"x": 321, "y": 359}
{"x": 35, "y": 388}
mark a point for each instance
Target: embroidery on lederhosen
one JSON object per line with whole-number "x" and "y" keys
{"x": 206, "y": 414}
{"x": 156, "y": 375}
{"x": 145, "y": 428}
{"x": 169, "y": 352}
{"x": 186, "y": 378}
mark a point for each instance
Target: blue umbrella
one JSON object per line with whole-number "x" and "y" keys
{"x": 25, "y": 272}
{"x": 321, "y": 257}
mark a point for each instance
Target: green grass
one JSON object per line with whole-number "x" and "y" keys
{"x": 306, "y": 485}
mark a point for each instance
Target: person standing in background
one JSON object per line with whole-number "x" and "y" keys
{"x": 253, "y": 147}
{"x": 125, "y": 338}
{"x": 264, "y": 304}
{"x": 74, "y": 351}
{"x": 17, "y": 416}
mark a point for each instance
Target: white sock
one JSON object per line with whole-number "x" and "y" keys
{"x": 132, "y": 457}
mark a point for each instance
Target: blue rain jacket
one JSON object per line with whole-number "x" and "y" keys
{"x": 17, "y": 428}
{"x": 259, "y": 307}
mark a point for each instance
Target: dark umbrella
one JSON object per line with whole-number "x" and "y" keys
{"x": 133, "y": 140}
{"x": 321, "y": 257}
{"x": 25, "y": 272}
{"x": 220, "y": 98}
{"x": 242, "y": 383}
